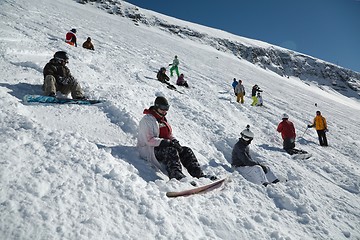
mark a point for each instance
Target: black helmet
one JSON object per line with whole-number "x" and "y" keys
{"x": 162, "y": 103}
{"x": 61, "y": 55}
{"x": 73, "y": 30}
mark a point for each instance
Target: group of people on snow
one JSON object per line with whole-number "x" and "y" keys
{"x": 71, "y": 39}
{"x": 239, "y": 91}
{"x": 162, "y": 77}
{"x": 156, "y": 142}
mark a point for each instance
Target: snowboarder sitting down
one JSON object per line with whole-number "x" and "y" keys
{"x": 70, "y": 37}
{"x": 246, "y": 166}
{"x": 161, "y": 75}
{"x": 181, "y": 81}
{"x": 57, "y": 77}
{"x": 156, "y": 143}
{"x": 88, "y": 44}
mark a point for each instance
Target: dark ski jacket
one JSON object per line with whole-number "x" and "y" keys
{"x": 162, "y": 77}
{"x": 254, "y": 90}
{"x": 240, "y": 155}
{"x": 60, "y": 72}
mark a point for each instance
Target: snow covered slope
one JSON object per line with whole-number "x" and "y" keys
{"x": 72, "y": 172}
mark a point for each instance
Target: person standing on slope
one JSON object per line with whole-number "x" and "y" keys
{"x": 254, "y": 90}
{"x": 70, "y": 37}
{"x": 57, "y": 77}
{"x": 234, "y": 84}
{"x": 156, "y": 143}
{"x": 240, "y": 92}
{"x": 321, "y": 128}
{"x": 174, "y": 66}
{"x": 246, "y": 166}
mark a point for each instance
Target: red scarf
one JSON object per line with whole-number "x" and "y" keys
{"x": 165, "y": 130}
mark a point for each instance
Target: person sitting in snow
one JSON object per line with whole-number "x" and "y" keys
{"x": 88, "y": 44}
{"x": 156, "y": 143}
{"x": 161, "y": 75}
{"x": 70, "y": 37}
{"x": 287, "y": 130}
{"x": 240, "y": 92}
{"x": 242, "y": 162}
{"x": 57, "y": 77}
{"x": 181, "y": 81}
{"x": 254, "y": 90}
{"x": 174, "y": 66}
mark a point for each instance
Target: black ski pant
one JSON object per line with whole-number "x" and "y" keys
{"x": 172, "y": 159}
{"x": 322, "y": 137}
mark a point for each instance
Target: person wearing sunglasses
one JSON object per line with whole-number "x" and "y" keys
{"x": 250, "y": 169}
{"x": 157, "y": 144}
{"x": 57, "y": 77}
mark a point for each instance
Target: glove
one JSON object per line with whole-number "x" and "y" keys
{"x": 326, "y": 130}
{"x": 309, "y": 126}
{"x": 176, "y": 144}
{"x": 165, "y": 143}
{"x": 264, "y": 168}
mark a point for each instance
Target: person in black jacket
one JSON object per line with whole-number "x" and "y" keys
{"x": 254, "y": 90}
{"x": 250, "y": 169}
{"x": 57, "y": 77}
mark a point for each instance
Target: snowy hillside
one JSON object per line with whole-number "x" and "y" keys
{"x": 279, "y": 60}
{"x": 73, "y": 172}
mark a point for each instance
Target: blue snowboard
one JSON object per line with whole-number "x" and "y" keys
{"x": 48, "y": 99}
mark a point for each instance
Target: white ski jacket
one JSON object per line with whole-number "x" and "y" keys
{"x": 148, "y": 138}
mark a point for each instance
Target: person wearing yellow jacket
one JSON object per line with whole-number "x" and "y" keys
{"x": 321, "y": 128}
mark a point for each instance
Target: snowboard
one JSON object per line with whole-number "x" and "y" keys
{"x": 48, "y": 99}
{"x": 202, "y": 189}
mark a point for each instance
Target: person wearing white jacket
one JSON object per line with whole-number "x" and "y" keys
{"x": 157, "y": 144}
{"x": 246, "y": 166}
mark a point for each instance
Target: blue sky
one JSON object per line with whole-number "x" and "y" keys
{"x": 325, "y": 29}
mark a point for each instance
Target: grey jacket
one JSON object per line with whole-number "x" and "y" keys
{"x": 240, "y": 155}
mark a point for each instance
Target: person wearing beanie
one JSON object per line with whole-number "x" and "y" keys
{"x": 88, "y": 44}
{"x": 321, "y": 128}
{"x": 57, "y": 77}
{"x": 250, "y": 169}
{"x": 70, "y": 37}
{"x": 157, "y": 144}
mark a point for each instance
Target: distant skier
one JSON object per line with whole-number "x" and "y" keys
{"x": 161, "y": 75}
{"x": 251, "y": 170}
{"x": 321, "y": 128}
{"x": 88, "y": 44}
{"x": 57, "y": 77}
{"x": 287, "y": 130}
{"x": 240, "y": 92}
{"x": 174, "y": 66}
{"x": 71, "y": 37}
{"x": 254, "y": 90}
{"x": 260, "y": 100}
{"x": 156, "y": 143}
{"x": 234, "y": 84}
{"x": 181, "y": 81}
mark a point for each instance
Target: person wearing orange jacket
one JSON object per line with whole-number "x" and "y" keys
{"x": 321, "y": 128}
